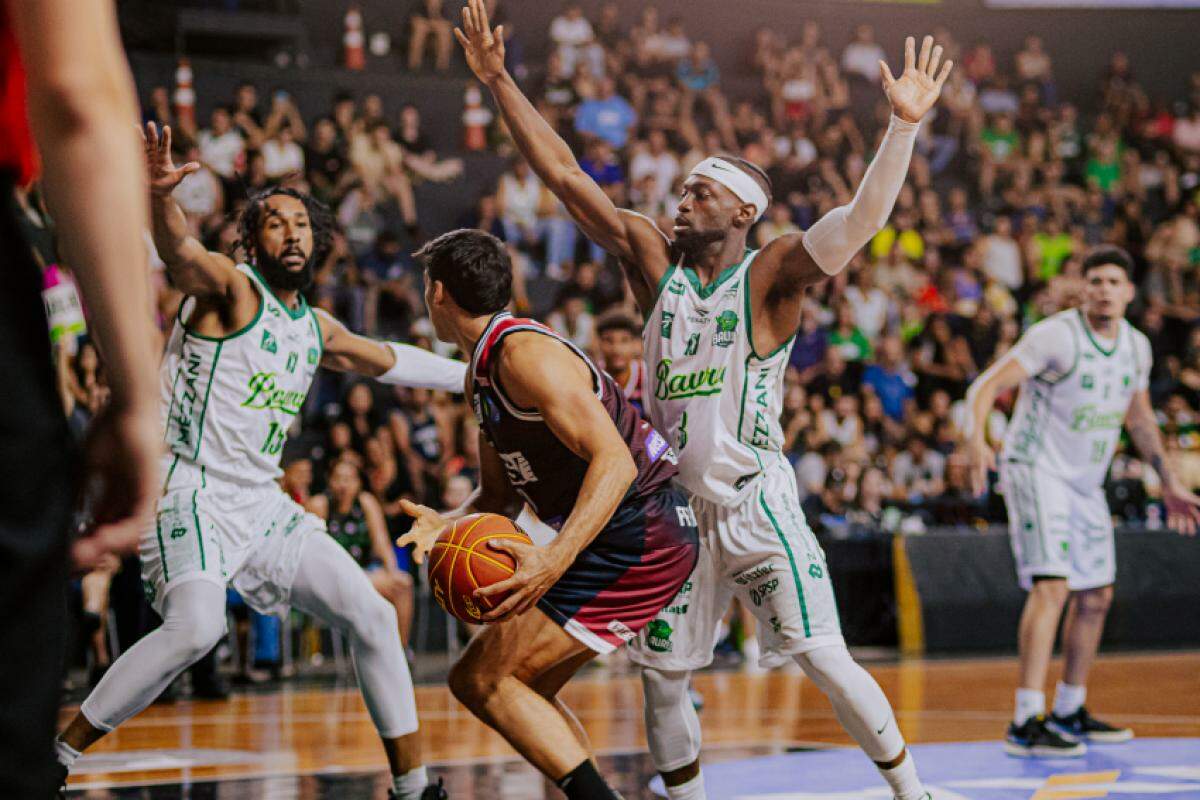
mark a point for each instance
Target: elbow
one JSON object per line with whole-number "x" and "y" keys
{"x": 624, "y": 469}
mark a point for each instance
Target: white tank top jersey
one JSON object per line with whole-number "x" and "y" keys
{"x": 1071, "y": 410}
{"x": 715, "y": 398}
{"x": 229, "y": 402}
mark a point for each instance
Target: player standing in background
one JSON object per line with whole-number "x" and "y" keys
{"x": 557, "y": 433}
{"x": 63, "y": 73}
{"x": 720, "y": 320}
{"x": 237, "y": 369}
{"x": 1084, "y": 374}
{"x": 621, "y": 346}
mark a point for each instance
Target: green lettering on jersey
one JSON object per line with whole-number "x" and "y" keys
{"x": 680, "y": 385}
{"x": 265, "y": 396}
{"x": 693, "y": 344}
{"x": 1088, "y": 418}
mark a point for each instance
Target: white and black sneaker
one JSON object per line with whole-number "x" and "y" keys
{"x": 1083, "y": 727}
{"x": 1035, "y": 739}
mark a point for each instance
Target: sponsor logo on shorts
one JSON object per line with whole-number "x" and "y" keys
{"x": 676, "y": 609}
{"x": 815, "y": 571}
{"x": 753, "y": 574}
{"x": 658, "y": 636}
{"x": 178, "y": 533}
{"x": 149, "y": 590}
{"x": 776, "y": 625}
{"x": 686, "y": 589}
{"x": 764, "y": 590}
{"x": 621, "y": 630}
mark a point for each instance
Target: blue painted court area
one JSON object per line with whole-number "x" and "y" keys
{"x": 1164, "y": 769}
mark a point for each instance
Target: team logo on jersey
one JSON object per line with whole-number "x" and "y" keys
{"x": 680, "y": 385}
{"x": 693, "y": 344}
{"x": 520, "y": 471}
{"x": 675, "y": 286}
{"x": 1088, "y": 382}
{"x": 726, "y": 327}
{"x": 668, "y": 322}
{"x": 1088, "y": 418}
{"x": 658, "y": 636}
{"x": 269, "y": 343}
{"x": 265, "y": 395}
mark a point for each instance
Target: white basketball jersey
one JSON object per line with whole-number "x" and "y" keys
{"x": 1071, "y": 410}
{"x": 715, "y": 398}
{"x": 229, "y": 402}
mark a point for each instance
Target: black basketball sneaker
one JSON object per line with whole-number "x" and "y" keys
{"x": 1035, "y": 739}
{"x": 1083, "y": 727}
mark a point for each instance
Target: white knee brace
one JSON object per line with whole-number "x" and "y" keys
{"x": 672, "y": 726}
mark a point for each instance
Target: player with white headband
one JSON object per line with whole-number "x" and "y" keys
{"x": 720, "y": 321}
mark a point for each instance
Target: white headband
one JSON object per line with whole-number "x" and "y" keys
{"x": 736, "y": 180}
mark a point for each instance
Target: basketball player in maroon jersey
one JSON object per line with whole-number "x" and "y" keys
{"x": 559, "y": 434}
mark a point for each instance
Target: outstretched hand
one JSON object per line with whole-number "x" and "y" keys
{"x": 427, "y": 526}
{"x": 918, "y": 88}
{"x": 164, "y": 175}
{"x": 483, "y": 47}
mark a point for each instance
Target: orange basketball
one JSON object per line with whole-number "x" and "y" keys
{"x": 460, "y": 562}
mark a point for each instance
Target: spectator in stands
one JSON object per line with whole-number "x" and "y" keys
{"x": 431, "y": 20}
{"x": 246, "y": 116}
{"x": 891, "y": 379}
{"x": 608, "y": 116}
{"x": 862, "y": 56}
{"x": 571, "y": 34}
{"x": 354, "y": 518}
{"x": 521, "y": 205}
{"x": 328, "y": 169}
{"x": 847, "y": 337}
{"x": 918, "y": 472}
{"x": 222, "y": 148}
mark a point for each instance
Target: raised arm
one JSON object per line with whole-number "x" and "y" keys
{"x": 1183, "y": 506}
{"x": 541, "y": 373}
{"x": 631, "y": 237}
{"x": 81, "y": 103}
{"x": 195, "y": 270}
{"x": 389, "y": 362}
{"x": 788, "y": 265}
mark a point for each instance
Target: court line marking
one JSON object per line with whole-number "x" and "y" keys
{"x": 338, "y": 769}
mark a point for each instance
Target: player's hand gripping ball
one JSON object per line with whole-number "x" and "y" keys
{"x": 460, "y": 562}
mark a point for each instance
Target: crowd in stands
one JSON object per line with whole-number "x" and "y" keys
{"x": 1011, "y": 183}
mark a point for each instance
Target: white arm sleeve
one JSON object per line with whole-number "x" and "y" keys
{"x": 834, "y": 239}
{"x": 422, "y": 369}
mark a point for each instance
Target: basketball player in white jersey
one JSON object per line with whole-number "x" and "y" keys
{"x": 720, "y": 320}
{"x": 1084, "y": 374}
{"x": 237, "y": 368}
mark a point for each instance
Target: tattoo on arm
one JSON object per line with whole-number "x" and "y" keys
{"x": 1144, "y": 432}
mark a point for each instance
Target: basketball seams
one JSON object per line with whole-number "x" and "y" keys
{"x": 455, "y": 540}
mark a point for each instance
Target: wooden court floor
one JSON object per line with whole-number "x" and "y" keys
{"x": 319, "y": 743}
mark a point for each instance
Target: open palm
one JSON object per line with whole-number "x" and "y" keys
{"x": 484, "y": 47}
{"x": 164, "y": 175}
{"x": 918, "y": 88}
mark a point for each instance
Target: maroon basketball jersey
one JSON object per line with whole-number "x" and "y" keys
{"x": 541, "y": 468}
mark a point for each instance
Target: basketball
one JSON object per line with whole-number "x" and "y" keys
{"x": 461, "y": 562}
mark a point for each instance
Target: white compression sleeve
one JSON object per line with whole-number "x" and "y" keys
{"x": 193, "y": 623}
{"x": 424, "y": 370}
{"x": 332, "y": 587}
{"x": 834, "y": 239}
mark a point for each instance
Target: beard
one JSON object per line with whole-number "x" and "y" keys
{"x": 280, "y": 277}
{"x": 694, "y": 241}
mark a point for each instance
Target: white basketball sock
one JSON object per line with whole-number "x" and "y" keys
{"x": 65, "y": 754}
{"x": 903, "y": 779}
{"x": 1030, "y": 703}
{"x": 692, "y": 790}
{"x": 1068, "y": 699}
{"x": 411, "y": 784}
